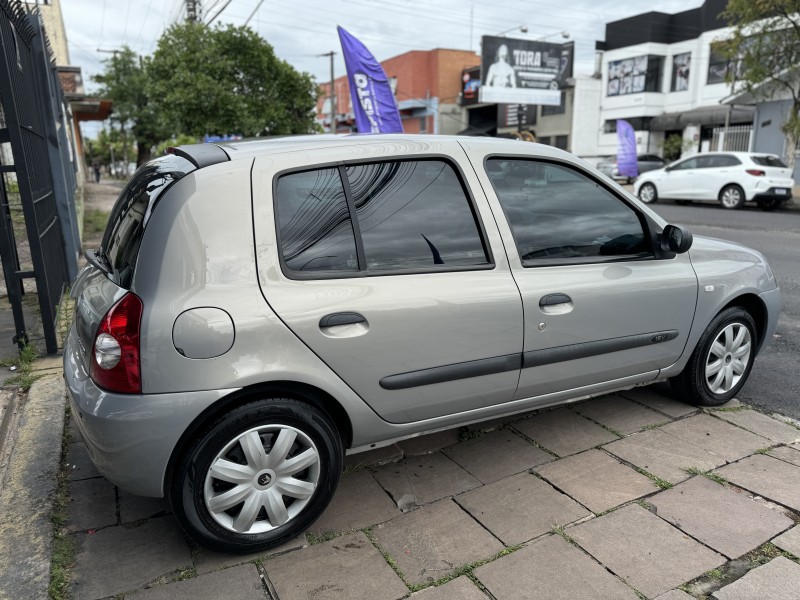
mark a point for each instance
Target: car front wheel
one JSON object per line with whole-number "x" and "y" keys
{"x": 721, "y": 361}
{"x": 731, "y": 196}
{"x": 259, "y": 476}
{"x": 648, "y": 193}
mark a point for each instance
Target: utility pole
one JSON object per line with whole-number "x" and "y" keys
{"x": 332, "y": 94}
{"x": 191, "y": 11}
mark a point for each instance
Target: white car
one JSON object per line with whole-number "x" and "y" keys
{"x": 732, "y": 178}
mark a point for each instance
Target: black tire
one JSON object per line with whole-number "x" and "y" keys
{"x": 188, "y": 485}
{"x": 650, "y": 196}
{"x": 691, "y": 384}
{"x": 683, "y": 202}
{"x": 731, "y": 197}
{"x": 771, "y": 204}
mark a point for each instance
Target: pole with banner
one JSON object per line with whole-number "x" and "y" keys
{"x": 627, "y": 164}
{"x": 373, "y": 102}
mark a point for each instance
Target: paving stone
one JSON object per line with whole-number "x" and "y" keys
{"x": 121, "y": 559}
{"x": 460, "y": 588}
{"x": 520, "y": 508}
{"x": 379, "y": 456}
{"x": 133, "y": 508}
{"x": 675, "y": 595}
{"x": 787, "y": 453}
{"x": 768, "y": 477}
{"x": 93, "y": 504}
{"x": 789, "y": 541}
{"x": 619, "y": 414}
{"x": 346, "y": 567}
{"x": 597, "y": 480}
{"x": 779, "y": 579}
{"x": 563, "y": 431}
{"x": 662, "y": 454}
{"x": 660, "y": 402}
{"x": 718, "y": 438}
{"x": 425, "y": 444}
{"x": 647, "y": 552}
{"x": 493, "y": 424}
{"x": 207, "y": 560}
{"x": 242, "y": 582}
{"x": 762, "y": 425}
{"x": 431, "y": 542}
{"x": 496, "y": 455}
{"x": 79, "y": 464}
{"x": 732, "y": 403}
{"x": 550, "y": 568}
{"x": 422, "y": 479}
{"x": 358, "y": 502}
{"x": 728, "y": 521}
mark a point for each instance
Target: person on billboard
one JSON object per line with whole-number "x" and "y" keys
{"x": 501, "y": 73}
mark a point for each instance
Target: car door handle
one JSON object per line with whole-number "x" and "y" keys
{"x": 554, "y": 299}
{"x": 342, "y": 318}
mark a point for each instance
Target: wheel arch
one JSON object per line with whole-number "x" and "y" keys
{"x": 302, "y": 392}
{"x": 757, "y": 309}
{"x": 729, "y": 184}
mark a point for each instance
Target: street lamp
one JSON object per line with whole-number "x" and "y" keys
{"x": 563, "y": 34}
{"x": 521, "y": 28}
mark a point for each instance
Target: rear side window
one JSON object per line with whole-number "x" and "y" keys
{"x": 126, "y": 225}
{"x": 768, "y": 161}
{"x": 377, "y": 218}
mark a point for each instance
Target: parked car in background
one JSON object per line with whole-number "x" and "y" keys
{"x": 645, "y": 162}
{"x": 730, "y": 178}
{"x": 352, "y": 291}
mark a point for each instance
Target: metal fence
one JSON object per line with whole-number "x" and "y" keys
{"x": 734, "y": 138}
{"x": 38, "y": 238}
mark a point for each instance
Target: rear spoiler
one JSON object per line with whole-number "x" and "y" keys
{"x": 200, "y": 155}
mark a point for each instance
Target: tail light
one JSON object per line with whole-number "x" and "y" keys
{"x": 756, "y": 172}
{"x": 115, "y": 354}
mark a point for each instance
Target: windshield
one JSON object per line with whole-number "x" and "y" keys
{"x": 133, "y": 209}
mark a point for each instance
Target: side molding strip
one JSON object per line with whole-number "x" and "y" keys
{"x": 465, "y": 370}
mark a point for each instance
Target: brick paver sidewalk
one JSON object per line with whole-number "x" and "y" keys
{"x": 626, "y": 496}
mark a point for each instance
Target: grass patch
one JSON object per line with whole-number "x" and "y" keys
{"x": 313, "y": 538}
{"x": 63, "y": 543}
{"x": 94, "y": 221}
{"x": 465, "y": 433}
{"x": 763, "y": 450}
{"x": 189, "y": 573}
{"x": 766, "y": 552}
{"x": 708, "y": 475}
{"x": 24, "y": 376}
{"x": 662, "y": 483}
{"x": 715, "y": 574}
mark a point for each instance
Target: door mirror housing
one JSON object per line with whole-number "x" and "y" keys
{"x": 676, "y": 239}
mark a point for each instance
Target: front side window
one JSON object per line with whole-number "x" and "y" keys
{"x": 560, "y": 216}
{"x": 409, "y": 215}
{"x": 690, "y": 163}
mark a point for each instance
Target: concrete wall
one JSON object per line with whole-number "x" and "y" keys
{"x": 54, "y": 26}
{"x": 586, "y": 124}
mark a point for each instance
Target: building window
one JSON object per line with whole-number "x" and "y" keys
{"x": 638, "y": 124}
{"x": 561, "y": 142}
{"x": 635, "y": 75}
{"x": 720, "y": 67}
{"x": 559, "y": 109}
{"x": 544, "y": 140}
{"x": 681, "y": 67}
{"x": 423, "y": 124}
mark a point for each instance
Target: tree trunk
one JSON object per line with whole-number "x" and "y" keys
{"x": 143, "y": 153}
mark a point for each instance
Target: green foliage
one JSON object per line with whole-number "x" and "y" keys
{"x": 227, "y": 80}
{"x": 674, "y": 146}
{"x": 765, "y": 50}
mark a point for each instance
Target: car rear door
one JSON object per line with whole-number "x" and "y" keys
{"x": 599, "y": 306}
{"x": 678, "y": 180}
{"x": 386, "y": 262}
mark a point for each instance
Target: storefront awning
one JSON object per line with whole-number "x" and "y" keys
{"x": 708, "y": 115}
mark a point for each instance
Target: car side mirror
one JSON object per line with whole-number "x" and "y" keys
{"x": 668, "y": 169}
{"x": 676, "y": 238}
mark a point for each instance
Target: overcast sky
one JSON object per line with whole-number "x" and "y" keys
{"x": 301, "y": 30}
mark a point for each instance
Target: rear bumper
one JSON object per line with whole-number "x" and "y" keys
{"x": 774, "y": 193}
{"x": 130, "y": 438}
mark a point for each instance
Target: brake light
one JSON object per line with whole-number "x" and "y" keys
{"x": 756, "y": 172}
{"x": 115, "y": 354}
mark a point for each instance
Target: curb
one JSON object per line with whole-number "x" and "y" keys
{"x": 26, "y": 500}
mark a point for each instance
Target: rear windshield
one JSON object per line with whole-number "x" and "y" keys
{"x": 768, "y": 161}
{"x": 131, "y": 212}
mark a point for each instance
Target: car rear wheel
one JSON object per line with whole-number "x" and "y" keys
{"x": 259, "y": 476}
{"x": 648, "y": 193}
{"x": 731, "y": 196}
{"x": 721, "y": 361}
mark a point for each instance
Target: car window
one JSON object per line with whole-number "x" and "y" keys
{"x": 768, "y": 161}
{"x": 314, "y": 226}
{"x": 414, "y": 215}
{"x": 727, "y": 160}
{"x": 558, "y": 215}
{"x": 689, "y": 163}
{"x": 706, "y": 162}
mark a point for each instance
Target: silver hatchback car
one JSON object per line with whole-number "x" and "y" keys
{"x": 257, "y": 310}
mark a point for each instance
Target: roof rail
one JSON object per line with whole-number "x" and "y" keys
{"x": 200, "y": 155}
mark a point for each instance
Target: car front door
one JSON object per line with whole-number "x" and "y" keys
{"x": 390, "y": 269}
{"x": 599, "y": 306}
{"x": 678, "y": 180}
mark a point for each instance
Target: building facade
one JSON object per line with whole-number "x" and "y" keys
{"x": 426, "y": 88}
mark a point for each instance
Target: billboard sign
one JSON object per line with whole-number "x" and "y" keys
{"x": 470, "y": 84}
{"x": 516, "y": 115}
{"x": 515, "y": 71}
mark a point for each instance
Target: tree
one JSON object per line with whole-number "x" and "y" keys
{"x": 764, "y": 50}
{"x": 124, "y": 81}
{"x": 228, "y": 80}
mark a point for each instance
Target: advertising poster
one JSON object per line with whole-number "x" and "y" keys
{"x": 681, "y": 67}
{"x": 627, "y": 76}
{"x": 518, "y": 71}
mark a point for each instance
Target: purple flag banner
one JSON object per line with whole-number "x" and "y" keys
{"x": 373, "y": 102}
{"x": 627, "y": 165}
